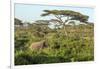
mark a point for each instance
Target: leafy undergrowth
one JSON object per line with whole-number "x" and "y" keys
{"x": 77, "y": 46}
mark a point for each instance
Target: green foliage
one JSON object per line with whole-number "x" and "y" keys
{"x": 77, "y": 46}
{"x": 66, "y": 13}
{"x": 18, "y": 22}
{"x": 23, "y": 39}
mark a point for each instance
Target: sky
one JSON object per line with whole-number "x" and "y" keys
{"x": 32, "y": 12}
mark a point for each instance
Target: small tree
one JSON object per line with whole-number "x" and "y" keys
{"x": 17, "y": 21}
{"x": 63, "y": 16}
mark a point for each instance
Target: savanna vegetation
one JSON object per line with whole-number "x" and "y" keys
{"x": 65, "y": 41}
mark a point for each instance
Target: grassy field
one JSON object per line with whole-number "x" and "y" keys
{"x": 36, "y": 44}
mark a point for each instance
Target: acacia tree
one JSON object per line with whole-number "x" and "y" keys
{"x": 63, "y": 16}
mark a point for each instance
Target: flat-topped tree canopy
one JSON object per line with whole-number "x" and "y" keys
{"x": 71, "y": 15}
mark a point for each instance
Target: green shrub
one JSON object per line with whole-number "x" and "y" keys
{"x": 77, "y": 46}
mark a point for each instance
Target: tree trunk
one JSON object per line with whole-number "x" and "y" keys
{"x": 65, "y": 30}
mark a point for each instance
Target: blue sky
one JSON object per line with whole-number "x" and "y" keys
{"x": 30, "y": 13}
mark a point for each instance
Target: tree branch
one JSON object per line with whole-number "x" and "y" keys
{"x": 59, "y": 17}
{"x": 68, "y": 18}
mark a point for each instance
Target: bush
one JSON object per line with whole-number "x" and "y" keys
{"x": 75, "y": 47}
